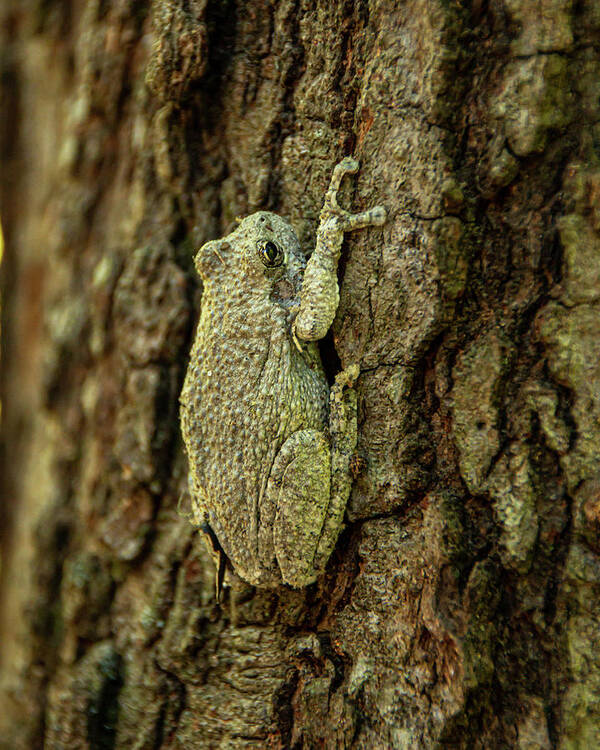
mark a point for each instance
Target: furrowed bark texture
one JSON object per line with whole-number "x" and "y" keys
{"x": 461, "y": 607}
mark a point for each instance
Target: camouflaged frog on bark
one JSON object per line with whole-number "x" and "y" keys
{"x": 269, "y": 445}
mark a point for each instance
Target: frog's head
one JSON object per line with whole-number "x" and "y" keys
{"x": 270, "y": 253}
{"x": 263, "y": 253}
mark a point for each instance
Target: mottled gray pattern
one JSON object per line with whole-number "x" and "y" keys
{"x": 268, "y": 445}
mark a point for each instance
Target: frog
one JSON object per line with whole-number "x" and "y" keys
{"x": 269, "y": 442}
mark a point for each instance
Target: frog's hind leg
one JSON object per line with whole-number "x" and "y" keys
{"x": 299, "y": 487}
{"x": 310, "y": 484}
{"x": 343, "y": 431}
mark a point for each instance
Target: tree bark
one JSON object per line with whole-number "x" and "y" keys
{"x": 461, "y": 606}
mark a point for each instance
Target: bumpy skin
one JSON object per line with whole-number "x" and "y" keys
{"x": 268, "y": 445}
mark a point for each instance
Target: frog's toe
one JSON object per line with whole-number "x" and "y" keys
{"x": 348, "y": 165}
{"x": 375, "y": 216}
{"x": 378, "y": 215}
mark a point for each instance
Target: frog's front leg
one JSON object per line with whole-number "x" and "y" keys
{"x": 319, "y": 296}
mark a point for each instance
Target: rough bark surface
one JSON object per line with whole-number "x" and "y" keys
{"x": 461, "y": 607}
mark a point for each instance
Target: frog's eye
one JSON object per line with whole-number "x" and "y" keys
{"x": 270, "y": 254}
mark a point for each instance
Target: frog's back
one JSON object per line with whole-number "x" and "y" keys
{"x": 246, "y": 391}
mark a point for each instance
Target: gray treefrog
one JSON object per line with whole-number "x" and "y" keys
{"x": 269, "y": 445}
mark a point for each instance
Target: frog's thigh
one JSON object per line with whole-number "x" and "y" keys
{"x": 299, "y": 488}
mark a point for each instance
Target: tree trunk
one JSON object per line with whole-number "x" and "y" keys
{"x": 461, "y": 606}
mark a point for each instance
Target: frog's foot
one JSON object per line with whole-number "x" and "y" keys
{"x": 345, "y": 379}
{"x": 346, "y": 220}
{"x": 218, "y": 555}
{"x": 342, "y": 412}
{"x": 343, "y": 431}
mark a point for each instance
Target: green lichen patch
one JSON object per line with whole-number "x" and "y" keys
{"x": 544, "y": 401}
{"x": 504, "y": 167}
{"x": 581, "y": 245}
{"x": 544, "y": 26}
{"x": 451, "y": 253}
{"x": 572, "y": 339}
{"x": 535, "y": 100}
{"x": 581, "y": 705}
{"x": 475, "y": 397}
{"x": 514, "y": 498}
